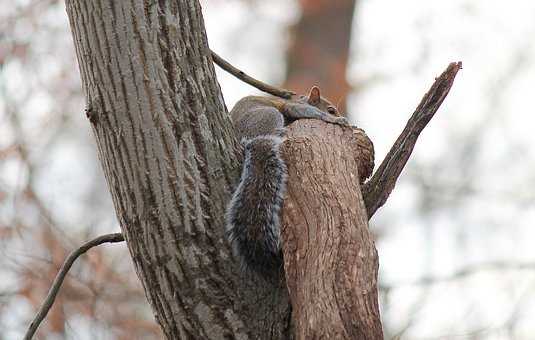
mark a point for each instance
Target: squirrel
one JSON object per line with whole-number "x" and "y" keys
{"x": 253, "y": 214}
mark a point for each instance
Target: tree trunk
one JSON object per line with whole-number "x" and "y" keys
{"x": 167, "y": 148}
{"x": 330, "y": 258}
{"x": 166, "y": 145}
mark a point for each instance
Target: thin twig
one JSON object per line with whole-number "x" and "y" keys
{"x": 56, "y": 285}
{"x": 225, "y": 65}
{"x": 379, "y": 187}
{"x": 462, "y": 273}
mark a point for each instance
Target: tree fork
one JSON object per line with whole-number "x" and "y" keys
{"x": 167, "y": 149}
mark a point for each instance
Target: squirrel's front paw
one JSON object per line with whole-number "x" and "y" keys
{"x": 341, "y": 121}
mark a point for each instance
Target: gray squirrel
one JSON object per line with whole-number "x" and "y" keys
{"x": 253, "y": 214}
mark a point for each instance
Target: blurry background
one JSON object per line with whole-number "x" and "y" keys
{"x": 456, "y": 238}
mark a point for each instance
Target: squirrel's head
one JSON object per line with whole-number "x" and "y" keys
{"x": 314, "y": 98}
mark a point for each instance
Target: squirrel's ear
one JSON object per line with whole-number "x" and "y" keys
{"x": 314, "y": 96}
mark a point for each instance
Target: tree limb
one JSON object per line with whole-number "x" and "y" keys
{"x": 56, "y": 285}
{"x": 330, "y": 260}
{"x": 167, "y": 145}
{"x": 379, "y": 187}
{"x": 225, "y": 65}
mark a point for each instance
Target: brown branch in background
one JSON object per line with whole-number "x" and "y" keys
{"x": 225, "y": 65}
{"x": 379, "y": 187}
{"x": 56, "y": 285}
{"x": 316, "y": 55}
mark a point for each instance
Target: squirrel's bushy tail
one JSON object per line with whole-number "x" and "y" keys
{"x": 253, "y": 215}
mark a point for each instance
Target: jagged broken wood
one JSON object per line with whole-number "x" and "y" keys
{"x": 60, "y": 277}
{"x": 379, "y": 187}
{"x": 330, "y": 259}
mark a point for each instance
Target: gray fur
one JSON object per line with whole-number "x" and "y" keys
{"x": 252, "y": 118}
{"x": 253, "y": 215}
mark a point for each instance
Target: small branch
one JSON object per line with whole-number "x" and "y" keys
{"x": 225, "y": 65}
{"x": 462, "y": 273}
{"x": 379, "y": 187}
{"x": 56, "y": 285}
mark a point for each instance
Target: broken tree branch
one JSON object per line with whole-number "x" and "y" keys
{"x": 330, "y": 260}
{"x": 379, "y": 187}
{"x": 56, "y": 285}
{"x": 225, "y": 65}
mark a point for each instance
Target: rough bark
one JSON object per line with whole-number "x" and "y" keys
{"x": 330, "y": 258}
{"x": 167, "y": 149}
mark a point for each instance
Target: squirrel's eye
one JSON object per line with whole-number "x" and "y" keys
{"x": 331, "y": 109}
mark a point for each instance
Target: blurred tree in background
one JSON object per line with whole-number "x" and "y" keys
{"x": 456, "y": 258}
{"x": 318, "y": 52}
